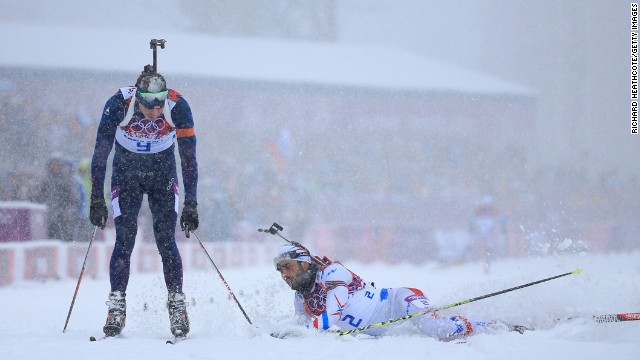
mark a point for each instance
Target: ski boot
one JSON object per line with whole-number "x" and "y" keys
{"x": 178, "y": 314}
{"x": 117, "y": 313}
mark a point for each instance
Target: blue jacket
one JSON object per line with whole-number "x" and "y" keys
{"x": 178, "y": 125}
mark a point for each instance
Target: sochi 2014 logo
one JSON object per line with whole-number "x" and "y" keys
{"x": 147, "y": 129}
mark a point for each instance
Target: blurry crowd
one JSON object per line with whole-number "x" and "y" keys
{"x": 63, "y": 186}
{"x": 237, "y": 199}
{"x": 346, "y": 179}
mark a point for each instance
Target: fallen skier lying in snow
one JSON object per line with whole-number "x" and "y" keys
{"x": 328, "y": 295}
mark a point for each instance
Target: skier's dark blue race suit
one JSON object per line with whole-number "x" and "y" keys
{"x": 144, "y": 163}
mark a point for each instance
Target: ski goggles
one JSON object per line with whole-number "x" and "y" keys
{"x": 297, "y": 254}
{"x": 152, "y": 100}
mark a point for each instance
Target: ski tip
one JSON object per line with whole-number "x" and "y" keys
{"x": 577, "y": 271}
{"x": 92, "y": 338}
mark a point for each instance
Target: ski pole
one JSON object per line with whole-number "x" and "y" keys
{"x": 222, "y": 278}
{"x": 406, "y": 317}
{"x": 79, "y": 279}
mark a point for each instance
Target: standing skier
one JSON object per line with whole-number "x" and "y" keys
{"x": 145, "y": 120}
{"x": 328, "y": 294}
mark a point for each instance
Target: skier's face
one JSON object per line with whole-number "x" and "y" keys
{"x": 150, "y": 114}
{"x": 292, "y": 271}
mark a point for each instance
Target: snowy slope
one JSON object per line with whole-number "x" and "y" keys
{"x": 33, "y": 314}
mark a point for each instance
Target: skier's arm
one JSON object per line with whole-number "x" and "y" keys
{"x": 111, "y": 116}
{"x": 336, "y": 301}
{"x": 185, "y": 133}
{"x": 301, "y": 317}
{"x": 291, "y": 327}
{"x": 335, "y": 278}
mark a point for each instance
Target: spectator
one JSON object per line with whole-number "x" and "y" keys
{"x": 488, "y": 232}
{"x": 60, "y": 192}
{"x": 221, "y": 219}
{"x": 11, "y": 187}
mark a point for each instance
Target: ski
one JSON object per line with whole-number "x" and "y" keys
{"x": 606, "y": 318}
{"x": 616, "y": 317}
{"x": 367, "y": 337}
{"x": 176, "y": 339}
{"x": 103, "y": 337}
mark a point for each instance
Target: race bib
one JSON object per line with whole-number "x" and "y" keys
{"x": 146, "y": 136}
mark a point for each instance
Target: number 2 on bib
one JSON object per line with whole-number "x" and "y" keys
{"x": 351, "y": 320}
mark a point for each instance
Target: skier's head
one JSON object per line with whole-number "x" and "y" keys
{"x": 296, "y": 268}
{"x": 151, "y": 89}
{"x": 292, "y": 252}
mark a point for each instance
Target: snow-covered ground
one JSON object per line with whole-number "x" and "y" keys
{"x": 33, "y": 314}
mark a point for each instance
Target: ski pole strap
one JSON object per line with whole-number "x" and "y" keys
{"x": 406, "y": 317}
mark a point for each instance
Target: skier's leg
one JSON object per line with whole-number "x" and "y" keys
{"x": 126, "y": 201}
{"x": 410, "y": 301}
{"x": 126, "y": 205}
{"x": 163, "y": 202}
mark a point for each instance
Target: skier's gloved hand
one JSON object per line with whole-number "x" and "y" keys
{"x": 189, "y": 219}
{"x": 98, "y": 212}
{"x": 290, "y": 332}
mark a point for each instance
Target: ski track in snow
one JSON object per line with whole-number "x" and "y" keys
{"x": 34, "y": 313}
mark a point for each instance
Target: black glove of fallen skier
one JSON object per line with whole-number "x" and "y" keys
{"x": 189, "y": 219}
{"x": 98, "y": 212}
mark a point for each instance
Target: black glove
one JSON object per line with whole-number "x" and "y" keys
{"x": 189, "y": 219}
{"x": 98, "y": 213}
